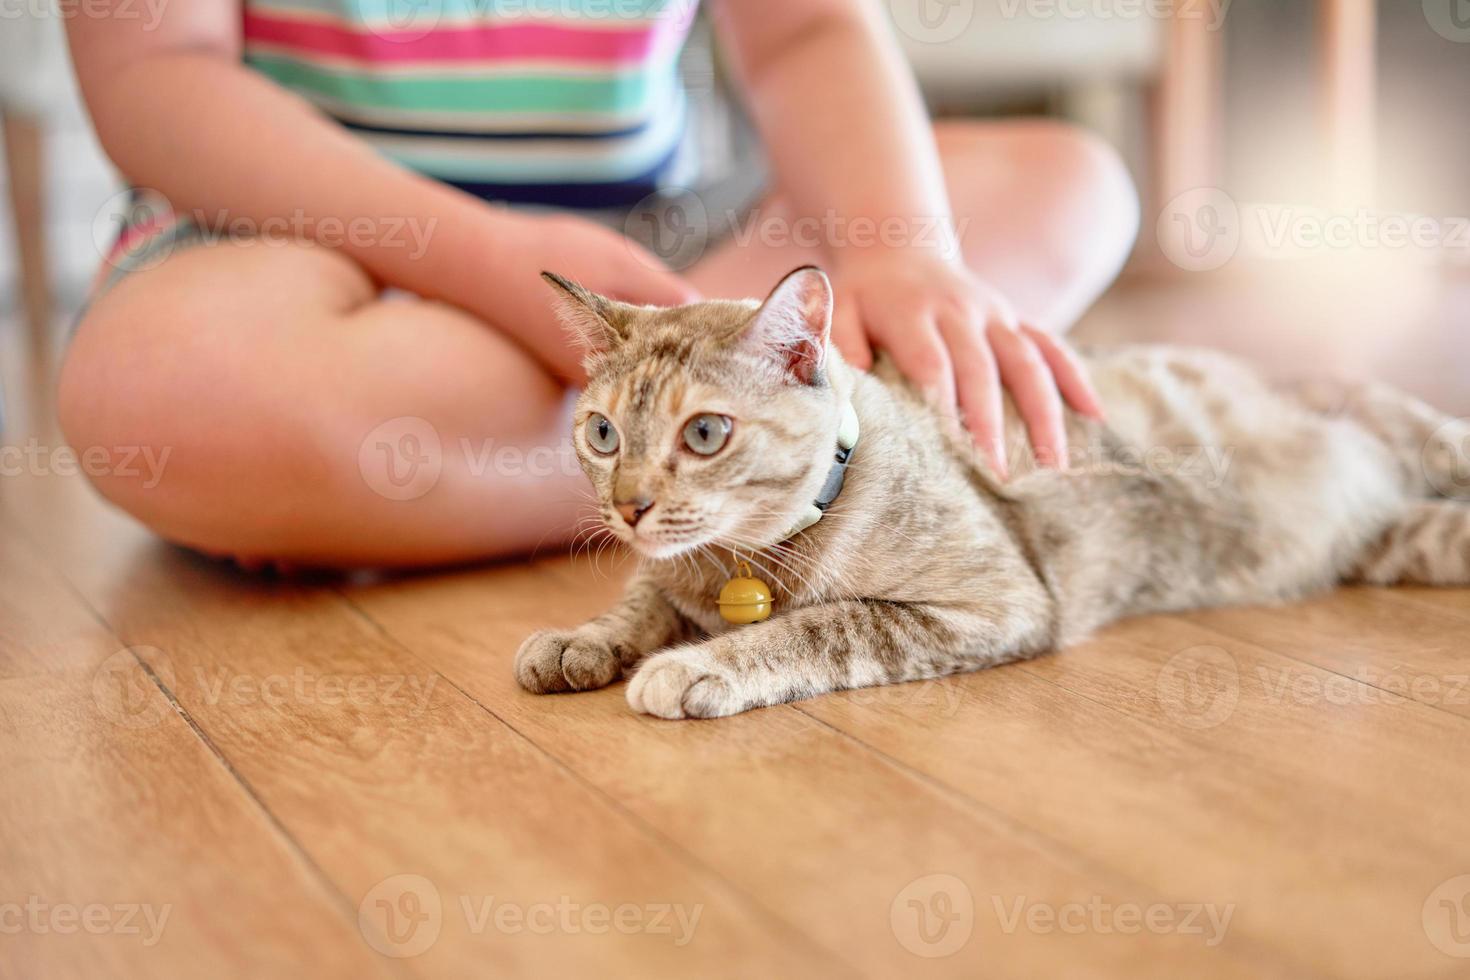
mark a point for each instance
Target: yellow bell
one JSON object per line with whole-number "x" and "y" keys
{"x": 745, "y": 599}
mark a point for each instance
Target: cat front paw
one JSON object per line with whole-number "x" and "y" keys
{"x": 683, "y": 683}
{"x": 552, "y": 661}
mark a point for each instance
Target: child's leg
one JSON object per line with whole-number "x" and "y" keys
{"x": 271, "y": 376}
{"x": 1048, "y": 215}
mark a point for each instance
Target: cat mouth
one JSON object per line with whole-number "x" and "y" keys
{"x": 659, "y": 542}
{"x": 660, "y": 547}
{"x": 663, "y": 543}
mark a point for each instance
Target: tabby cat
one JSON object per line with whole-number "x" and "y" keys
{"x": 710, "y": 430}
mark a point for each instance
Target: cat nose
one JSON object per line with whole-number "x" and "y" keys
{"x": 633, "y": 510}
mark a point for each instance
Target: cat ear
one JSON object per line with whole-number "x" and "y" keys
{"x": 594, "y": 320}
{"x": 795, "y": 321}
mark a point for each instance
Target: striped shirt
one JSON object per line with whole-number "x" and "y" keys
{"x": 568, "y": 103}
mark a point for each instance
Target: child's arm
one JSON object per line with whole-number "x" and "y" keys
{"x": 178, "y": 113}
{"x": 849, "y": 137}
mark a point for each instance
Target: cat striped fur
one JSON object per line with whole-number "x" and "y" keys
{"x": 1208, "y": 485}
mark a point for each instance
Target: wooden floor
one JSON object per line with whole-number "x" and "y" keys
{"x": 208, "y": 774}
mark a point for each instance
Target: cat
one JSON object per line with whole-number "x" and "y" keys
{"x": 709, "y": 431}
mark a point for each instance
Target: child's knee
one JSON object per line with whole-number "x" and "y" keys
{"x": 1083, "y": 168}
{"x": 1077, "y": 197}
{"x": 119, "y": 450}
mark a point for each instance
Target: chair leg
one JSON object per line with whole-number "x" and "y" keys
{"x": 23, "y": 157}
{"x": 1348, "y": 97}
{"x": 1186, "y": 123}
{"x": 1189, "y": 114}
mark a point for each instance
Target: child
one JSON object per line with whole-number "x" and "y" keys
{"x": 285, "y": 368}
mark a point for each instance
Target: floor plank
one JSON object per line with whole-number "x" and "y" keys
{"x": 1416, "y": 648}
{"x": 773, "y": 801}
{"x": 319, "y": 764}
{"x": 127, "y": 846}
{"x": 1198, "y": 815}
{"x": 382, "y": 770}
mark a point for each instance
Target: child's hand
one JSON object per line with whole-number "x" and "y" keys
{"x": 958, "y": 339}
{"x": 598, "y": 258}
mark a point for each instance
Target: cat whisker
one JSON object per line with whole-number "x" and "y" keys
{"x": 709, "y": 553}
{"x": 588, "y": 538}
{"x": 779, "y": 562}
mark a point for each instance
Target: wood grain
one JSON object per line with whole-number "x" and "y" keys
{"x": 393, "y": 780}
{"x": 341, "y": 777}
{"x": 1248, "y": 806}
{"x": 826, "y": 832}
{"x": 127, "y": 846}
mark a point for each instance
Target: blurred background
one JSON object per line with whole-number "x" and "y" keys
{"x": 1277, "y": 145}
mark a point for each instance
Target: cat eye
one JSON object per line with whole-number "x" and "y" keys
{"x": 706, "y": 434}
{"x": 601, "y": 435}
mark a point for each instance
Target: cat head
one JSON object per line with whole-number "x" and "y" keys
{"x": 707, "y": 424}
